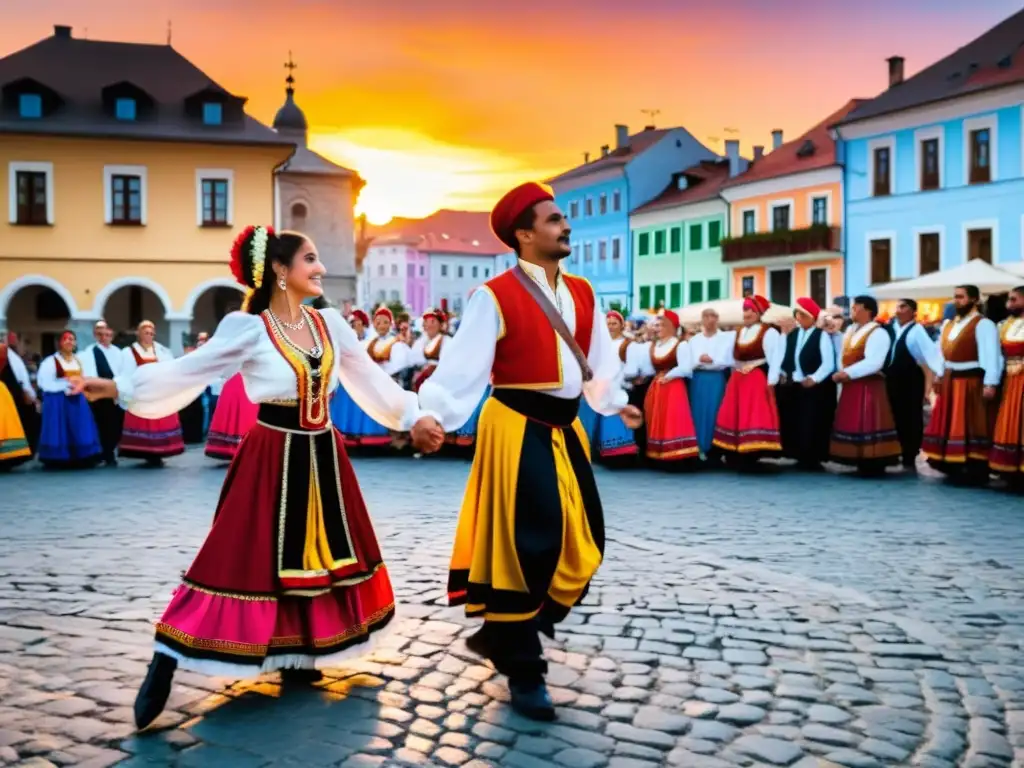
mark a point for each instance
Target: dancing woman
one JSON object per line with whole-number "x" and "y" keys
{"x": 290, "y": 577}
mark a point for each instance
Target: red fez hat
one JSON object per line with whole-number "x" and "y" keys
{"x": 437, "y": 314}
{"x": 809, "y": 306}
{"x": 757, "y": 303}
{"x": 669, "y": 315}
{"x": 617, "y": 315}
{"x": 382, "y": 310}
{"x": 512, "y": 206}
{"x": 358, "y": 314}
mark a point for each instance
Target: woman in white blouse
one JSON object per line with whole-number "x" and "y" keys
{"x": 68, "y": 437}
{"x": 290, "y": 576}
{"x": 671, "y": 435}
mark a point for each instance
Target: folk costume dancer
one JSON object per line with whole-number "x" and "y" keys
{"x": 426, "y": 352}
{"x": 958, "y": 437}
{"x": 14, "y": 445}
{"x": 104, "y": 360}
{"x": 233, "y": 417}
{"x": 709, "y": 359}
{"x": 615, "y": 441}
{"x": 747, "y": 428}
{"x": 638, "y": 374}
{"x": 150, "y": 439}
{"x": 864, "y": 433}
{"x": 806, "y": 394}
{"x": 68, "y": 437}
{"x": 392, "y": 350}
{"x": 913, "y": 360}
{"x": 671, "y": 435}
{"x": 1007, "y": 455}
{"x": 309, "y": 587}
{"x": 531, "y": 530}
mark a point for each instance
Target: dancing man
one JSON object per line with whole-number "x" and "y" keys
{"x": 531, "y": 530}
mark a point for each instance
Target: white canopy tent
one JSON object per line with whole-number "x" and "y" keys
{"x": 940, "y": 285}
{"x": 730, "y": 312}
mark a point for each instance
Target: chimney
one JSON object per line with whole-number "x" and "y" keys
{"x": 604, "y": 150}
{"x": 758, "y": 152}
{"x": 895, "y": 70}
{"x": 732, "y": 151}
{"x": 59, "y": 30}
{"x": 621, "y": 136}
{"x": 586, "y": 158}
{"x": 776, "y": 138}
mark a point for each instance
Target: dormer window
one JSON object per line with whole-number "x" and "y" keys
{"x": 213, "y": 113}
{"x": 30, "y": 106}
{"x": 125, "y": 109}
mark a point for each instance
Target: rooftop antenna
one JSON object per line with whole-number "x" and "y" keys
{"x": 651, "y": 113}
{"x": 169, "y": 30}
{"x": 291, "y": 66}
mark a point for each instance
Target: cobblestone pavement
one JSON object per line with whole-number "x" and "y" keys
{"x": 783, "y": 619}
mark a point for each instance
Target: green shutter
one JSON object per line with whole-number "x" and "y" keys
{"x": 675, "y": 295}
{"x": 696, "y": 237}
{"x": 643, "y": 246}
{"x": 696, "y": 292}
{"x": 645, "y": 297}
{"x": 714, "y": 290}
{"x": 675, "y": 240}
{"x": 659, "y": 296}
{"x": 714, "y": 233}
{"x": 659, "y": 242}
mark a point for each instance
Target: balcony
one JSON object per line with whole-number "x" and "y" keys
{"x": 790, "y": 242}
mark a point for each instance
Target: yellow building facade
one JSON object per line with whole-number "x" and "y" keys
{"x": 126, "y": 211}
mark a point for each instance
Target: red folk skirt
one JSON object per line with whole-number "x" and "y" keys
{"x": 960, "y": 429}
{"x": 864, "y": 432}
{"x": 150, "y": 438}
{"x": 234, "y": 416}
{"x": 1007, "y": 454}
{"x": 671, "y": 435}
{"x": 748, "y": 419}
{"x": 290, "y": 575}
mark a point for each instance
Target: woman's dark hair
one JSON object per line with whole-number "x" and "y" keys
{"x": 281, "y": 249}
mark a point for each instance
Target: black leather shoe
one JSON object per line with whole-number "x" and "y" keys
{"x": 155, "y": 690}
{"x": 301, "y": 676}
{"x": 532, "y": 701}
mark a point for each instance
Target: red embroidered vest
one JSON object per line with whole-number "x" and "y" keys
{"x": 528, "y": 353}
{"x": 964, "y": 348}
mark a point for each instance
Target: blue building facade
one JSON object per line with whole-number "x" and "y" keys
{"x": 599, "y": 196}
{"x": 934, "y": 170}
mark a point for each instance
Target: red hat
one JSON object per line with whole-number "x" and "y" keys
{"x": 757, "y": 303}
{"x": 809, "y": 306}
{"x": 511, "y": 207}
{"x": 617, "y": 315}
{"x": 383, "y": 310}
{"x": 437, "y": 314}
{"x": 361, "y": 316}
{"x": 669, "y": 315}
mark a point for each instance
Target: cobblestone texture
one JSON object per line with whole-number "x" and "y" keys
{"x": 781, "y": 619}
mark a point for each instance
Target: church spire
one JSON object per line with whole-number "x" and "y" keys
{"x": 289, "y": 118}
{"x": 291, "y": 66}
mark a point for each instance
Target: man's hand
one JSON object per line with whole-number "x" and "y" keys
{"x": 94, "y": 389}
{"x": 841, "y": 377}
{"x": 632, "y": 417}
{"x": 989, "y": 393}
{"x": 427, "y": 435}
{"x": 808, "y": 383}
{"x": 706, "y": 359}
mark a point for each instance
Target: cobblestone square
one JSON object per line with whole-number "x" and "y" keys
{"x": 772, "y": 620}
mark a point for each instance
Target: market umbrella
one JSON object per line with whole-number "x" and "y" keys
{"x": 730, "y": 312}
{"x": 940, "y": 285}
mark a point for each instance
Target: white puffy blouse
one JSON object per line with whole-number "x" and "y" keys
{"x": 242, "y": 343}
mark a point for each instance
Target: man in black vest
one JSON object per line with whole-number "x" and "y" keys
{"x": 911, "y": 360}
{"x": 806, "y": 394}
{"x": 103, "y": 360}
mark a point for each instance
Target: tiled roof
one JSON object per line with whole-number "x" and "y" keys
{"x": 704, "y": 181}
{"x": 307, "y": 161}
{"x": 990, "y": 61}
{"x": 812, "y": 150}
{"x": 638, "y": 143}
{"x": 465, "y": 233}
{"x": 78, "y": 71}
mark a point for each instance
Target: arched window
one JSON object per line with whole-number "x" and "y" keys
{"x": 299, "y": 213}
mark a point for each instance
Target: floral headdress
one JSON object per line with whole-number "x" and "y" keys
{"x": 257, "y": 254}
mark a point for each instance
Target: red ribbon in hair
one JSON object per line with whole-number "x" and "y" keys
{"x": 237, "y": 254}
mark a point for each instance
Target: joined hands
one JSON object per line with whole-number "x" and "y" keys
{"x": 94, "y": 389}
{"x": 427, "y": 435}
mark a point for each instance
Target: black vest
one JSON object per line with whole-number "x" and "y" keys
{"x": 810, "y": 355}
{"x": 103, "y": 369}
{"x": 899, "y": 359}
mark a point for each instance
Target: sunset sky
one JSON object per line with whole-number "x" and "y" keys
{"x": 446, "y": 103}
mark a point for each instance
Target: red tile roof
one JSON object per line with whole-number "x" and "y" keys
{"x": 989, "y": 61}
{"x": 446, "y": 231}
{"x": 704, "y": 181}
{"x": 638, "y": 144}
{"x": 810, "y": 151}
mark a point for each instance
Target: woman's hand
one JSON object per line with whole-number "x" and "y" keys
{"x": 632, "y": 417}
{"x": 427, "y": 435}
{"x": 94, "y": 389}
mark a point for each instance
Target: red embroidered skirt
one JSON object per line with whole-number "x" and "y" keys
{"x": 748, "y": 419}
{"x": 291, "y": 574}
{"x": 671, "y": 435}
{"x": 864, "y": 431}
{"x": 234, "y": 417}
{"x": 960, "y": 429}
{"x": 150, "y": 438}
{"x": 1007, "y": 454}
